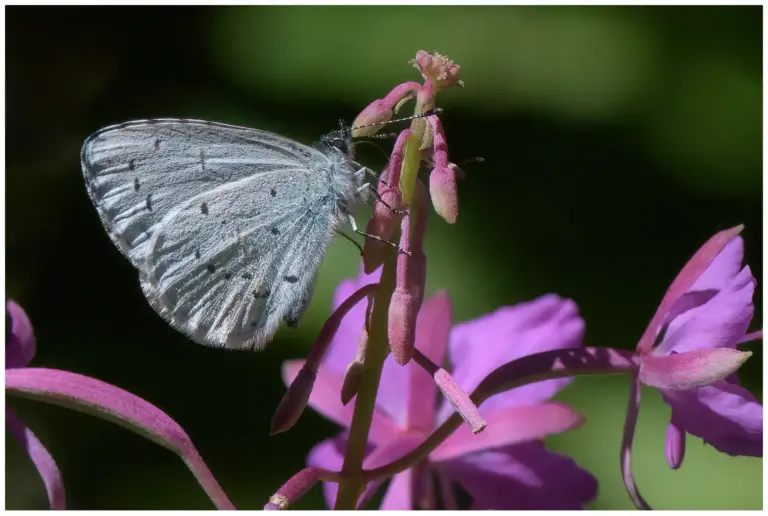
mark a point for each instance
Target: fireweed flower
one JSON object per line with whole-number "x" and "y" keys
{"x": 704, "y": 316}
{"x": 504, "y": 467}
{"x": 94, "y": 397}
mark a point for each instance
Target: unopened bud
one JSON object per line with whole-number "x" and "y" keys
{"x": 691, "y": 369}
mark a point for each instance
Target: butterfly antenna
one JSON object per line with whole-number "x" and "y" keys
{"x": 435, "y": 111}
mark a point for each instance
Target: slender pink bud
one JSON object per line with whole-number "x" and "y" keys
{"x": 293, "y": 402}
{"x": 442, "y": 179}
{"x": 377, "y": 113}
{"x": 690, "y": 369}
{"x": 354, "y": 372}
{"x": 459, "y": 400}
{"x": 409, "y": 282}
{"x": 675, "y": 444}
{"x": 296, "y": 397}
{"x": 291, "y": 491}
{"x": 384, "y": 221}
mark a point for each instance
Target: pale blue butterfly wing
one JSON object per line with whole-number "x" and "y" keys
{"x": 226, "y": 225}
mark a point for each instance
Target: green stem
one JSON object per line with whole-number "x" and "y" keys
{"x": 378, "y": 349}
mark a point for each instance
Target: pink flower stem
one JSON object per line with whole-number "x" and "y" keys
{"x": 559, "y": 363}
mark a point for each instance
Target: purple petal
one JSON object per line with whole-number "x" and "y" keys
{"x": 723, "y": 268}
{"x": 725, "y": 415}
{"x": 326, "y": 399}
{"x": 721, "y": 322}
{"x": 42, "y": 460}
{"x": 685, "y": 279}
{"x": 691, "y": 369}
{"x": 432, "y": 332}
{"x": 108, "y": 402}
{"x": 522, "y": 477}
{"x": 344, "y": 345}
{"x": 509, "y": 426}
{"x": 329, "y": 454}
{"x": 20, "y": 347}
{"x": 480, "y": 346}
{"x": 399, "y": 495}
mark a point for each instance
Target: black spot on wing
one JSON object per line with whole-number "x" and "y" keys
{"x": 228, "y": 275}
{"x": 136, "y": 185}
{"x": 197, "y": 253}
{"x": 211, "y": 268}
{"x": 274, "y": 231}
{"x": 131, "y": 165}
{"x": 273, "y": 192}
{"x": 261, "y": 294}
{"x": 157, "y": 143}
{"x": 204, "y": 208}
{"x": 149, "y": 202}
{"x": 290, "y": 278}
{"x": 247, "y": 275}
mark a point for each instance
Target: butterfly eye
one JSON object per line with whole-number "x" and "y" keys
{"x": 340, "y": 144}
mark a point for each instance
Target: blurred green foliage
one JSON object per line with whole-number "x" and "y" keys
{"x": 616, "y": 141}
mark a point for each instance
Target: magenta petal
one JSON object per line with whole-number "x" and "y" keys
{"x": 20, "y": 347}
{"x": 433, "y": 329}
{"x": 723, "y": 268}
{"x": 508, "y": 426}
{"x": 344, "y": 344}
{"x": 326, "y": 399}
{"x": 42, "y": 460}
{"x": 328, "y": 454}
{"x": 399, "y": 495}
{"x": 685, "y": 280}
{"x": 724, "y": 414}
{"x": 480, "y": 346}
{"x": 720, "y": 322}
{"x": 108, "y": 402}
{"x": 522, "y": 477}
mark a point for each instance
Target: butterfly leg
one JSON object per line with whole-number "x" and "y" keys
{"x": 351, "y": 240}
{"x": 375, "y": 237}
{"x": 369, "y": 186}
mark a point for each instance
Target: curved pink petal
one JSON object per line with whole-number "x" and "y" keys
{"x": 521, "y": 477}
{"x": 723, "y": 268}
{"x": 724, "y": 414}
{"x": 20, "y": 347}
{"x": 685, "y": 279}
{"x": 720, "y": 322}
{"x": 326, "y": 399}
{"x": 41, "y": 458}
{"x": 480, "y": 346}
{"x": 508, "y": 426}
{"x": 113, "y": 404}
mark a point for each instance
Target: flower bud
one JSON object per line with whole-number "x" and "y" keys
{"x": 437, "y": 68}
{"x": 690, "y": 369}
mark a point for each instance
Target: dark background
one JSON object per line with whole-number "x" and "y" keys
{"x": 616, "y": 141}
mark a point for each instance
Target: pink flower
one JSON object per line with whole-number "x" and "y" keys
{"x": 437, "y": 68}
{"x": 714, "y": 314}
{"x": 504, "y": 467}
{"x": 92, "y": 396}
